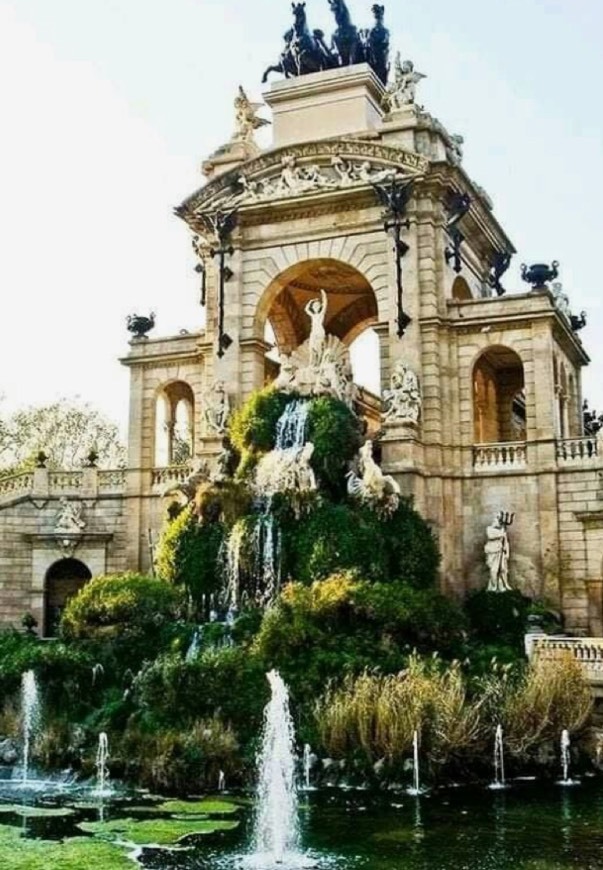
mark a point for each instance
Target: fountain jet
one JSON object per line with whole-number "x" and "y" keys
{"x": 30, "y": 714}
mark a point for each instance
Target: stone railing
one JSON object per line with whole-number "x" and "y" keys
{"x": 44, "y": 483}
{"x": 588, "y": 651}
{"x": 576, "y": 451}
{"x": 172, "y": 475}
{"x": 67, "y": 481}
{"x": 111, "y": 481}
{"x": 19, "y": 484}
{"x": 499, "y": 457}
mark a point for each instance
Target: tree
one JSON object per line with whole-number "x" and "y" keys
{"x": 66, "y": 431}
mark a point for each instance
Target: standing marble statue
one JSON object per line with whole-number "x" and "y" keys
{"x": 217, "y": 409}
{"x": 403, "y": 400}
{"x": 403, "y": 90}
{"x": 498, "y": 551}
{"x": 316, "y": 309}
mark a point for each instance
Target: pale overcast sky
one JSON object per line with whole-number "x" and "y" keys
{"x": 108, "y": 107}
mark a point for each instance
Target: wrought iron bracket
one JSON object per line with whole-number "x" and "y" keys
{"x": 395, "y": 196}
{"x": 500, "y": 265}
{"x": 454, "y": 253}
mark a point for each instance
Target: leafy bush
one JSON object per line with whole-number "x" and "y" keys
{"x": 187, "y": 554}
{"x": 252, "y": 429}
{"x": 125, "y": 617}
{"x": 340, "y": 537}
{"x": 345, "y": 625}
{"x": 498, "y": 617}
{"x": 337, "y": 435}
{"x": 226, "y": 682}
{"x": 179, "y": 760}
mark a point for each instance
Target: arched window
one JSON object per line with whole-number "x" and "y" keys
{"x": 499, "y": 402}
{"x": 460, "y": 290}
{"x": 174, "y": 424}
{"x": 64, "y": 579}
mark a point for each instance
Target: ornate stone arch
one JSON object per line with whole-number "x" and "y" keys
{"x": 356, "y": 280}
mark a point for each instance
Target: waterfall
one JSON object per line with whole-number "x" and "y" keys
{"x": 102, "y": 769}
{"x": 499, "y": 760}
{"x": 229, "y": 559}
{"x": 292, "y": 426}
{"x": 276, "y": 834}
{"x": 30, "y": 715}
{"x": 192, "y": 652}
{"x": 267, "y": 556}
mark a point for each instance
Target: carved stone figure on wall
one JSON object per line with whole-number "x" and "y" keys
{"x": 497, "y": 551}
{"x": 403, "y": 401}
{"x": 403, "y": 90}
{"x": 246, "y": 118}
{"x": 217, "y": 409}
{"x": 70, "y": 519}
{"x": 316, "y": 309}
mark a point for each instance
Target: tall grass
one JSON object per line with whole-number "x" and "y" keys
{"x": 377, "y": 715}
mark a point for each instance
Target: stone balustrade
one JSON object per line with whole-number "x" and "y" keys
{"x": 18, "y": 484}
{"x": 46, "y": 483}
{"x": 500, "y": 457}
{"x": 588, "y": 651}
{"x": 173, "y": 474}
{"x": 577, "y": 451}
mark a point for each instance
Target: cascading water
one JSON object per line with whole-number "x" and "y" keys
{"x": 102, "y": 768}
{"x": 192, "y": 652}
{"x": 499, "y": 760}
{"x": 229, "y": 559}
{"x": 292, "y": 426}
{"x": 30, "y": 715}
{"x": 276, "y": 834}
{"x": 267, "y": 556}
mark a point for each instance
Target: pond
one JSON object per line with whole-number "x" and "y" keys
{"x": 530, "y": 826}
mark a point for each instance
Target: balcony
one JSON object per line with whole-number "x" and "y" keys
{"x": 508, "y": 456}
{"x": 587, "y": 651}
{"x": 578, "y": 451}
{"x": 171, "y": 476}
{"x": 44, "y": 483}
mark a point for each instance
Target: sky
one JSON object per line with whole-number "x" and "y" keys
{"x": 108, "y": 107}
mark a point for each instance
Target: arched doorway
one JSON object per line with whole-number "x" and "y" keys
{"x": 64, "y": 579}
{"x": 499, "y": 400}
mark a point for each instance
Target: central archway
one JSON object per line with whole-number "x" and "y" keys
{"x": 352, "y": 302}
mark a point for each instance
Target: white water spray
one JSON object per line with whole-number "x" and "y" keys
{"x": 102, "y": 768}
{"x": 307, "y": 765}
{"x": 276, "y": 834}
{"x": 30, "y": 715}
{"x": 499, "y": 760}
{"x": 565, "y": 757}
{"x": 416, "y": 786}
{"x": 221, "y": 781}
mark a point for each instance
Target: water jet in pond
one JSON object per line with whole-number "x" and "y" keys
{"x": 566, "y": 760}
{"x": 499, "y": 761}
{"x": 415, "y": 791}
{"x": 30, "y": 715}
{"x": 102, "y": 769}
{"x": 276, "y": 841}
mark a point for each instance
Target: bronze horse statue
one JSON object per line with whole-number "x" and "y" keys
{"x": 346, "y": 39}
{"x": 376, "y": 44}
{"x": 304, "y": 52}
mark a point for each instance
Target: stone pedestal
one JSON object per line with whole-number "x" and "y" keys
{"x": 335, "y": 102}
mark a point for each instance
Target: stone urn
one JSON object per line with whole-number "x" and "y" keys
{"x": 539, "y": 274}
{"x": 140, "y": 326}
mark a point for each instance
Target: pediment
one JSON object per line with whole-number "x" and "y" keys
{"x": 307, "y": 170}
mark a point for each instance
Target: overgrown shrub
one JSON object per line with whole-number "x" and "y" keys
{"x": 499, "y": 618}
{"x": 124, "y": 618}
{"x": 344, "y": 625}
{"x": 252, "y": 428}
{"x": 226, "y": 682}
{"x": 181, "y": 761}
{"x": 187, "y": 554}
{"x": 337, "y": 435}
